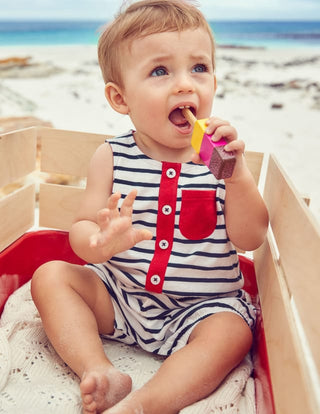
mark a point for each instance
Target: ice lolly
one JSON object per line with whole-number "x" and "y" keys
{"x": 219, "y": 161}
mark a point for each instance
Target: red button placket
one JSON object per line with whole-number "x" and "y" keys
{"x": 165, "y": 226}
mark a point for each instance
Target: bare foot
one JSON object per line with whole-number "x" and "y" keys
{"x": 129, "y": 405}
{"x": 103, "y": 388}
{"x": 141, "y": 401}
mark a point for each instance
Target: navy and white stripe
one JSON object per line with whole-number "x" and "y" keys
{"x": 202, "y": 277}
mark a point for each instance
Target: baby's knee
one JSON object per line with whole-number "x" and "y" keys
{"x": 46, "y": 277}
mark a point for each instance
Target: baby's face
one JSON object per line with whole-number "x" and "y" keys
{"x": 162, "y": 73}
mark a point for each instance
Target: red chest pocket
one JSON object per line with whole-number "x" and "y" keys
{"x": 198, "y": 215}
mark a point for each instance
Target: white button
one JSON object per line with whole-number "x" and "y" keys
{"x": 155, "y": 279}
{"x": 164, "y": 244}
{"x": 171, "y": 173}
{"x": 166, "y": 209}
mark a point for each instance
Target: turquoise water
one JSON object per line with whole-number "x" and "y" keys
{"x": 238, "y": 33}
{"x": 268, "y": 34}
{"x": 48, "y": 33}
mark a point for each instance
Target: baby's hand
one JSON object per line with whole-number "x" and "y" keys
{"x": 220, "y": 128}
{"x": 116, "y": 233}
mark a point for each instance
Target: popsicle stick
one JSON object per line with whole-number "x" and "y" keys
{"x": 189, "y": 116}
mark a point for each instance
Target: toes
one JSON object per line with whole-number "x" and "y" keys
{"x": 87, "y": 385}
{"x": 90, "y": 409}
{"x": 87, "y": 388}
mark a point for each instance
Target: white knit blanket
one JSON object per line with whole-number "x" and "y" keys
{"x": 34, "y": 380}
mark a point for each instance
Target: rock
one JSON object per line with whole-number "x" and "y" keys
{"x": 14, "y": 61}
{"x": 302, "y": 61}
{"x": 22, "y": 67}
{"x": 277, "y": 106}
{"x": 277, "y": 85}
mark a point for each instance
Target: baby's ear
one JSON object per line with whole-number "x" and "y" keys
{"x": 115, "y": 97}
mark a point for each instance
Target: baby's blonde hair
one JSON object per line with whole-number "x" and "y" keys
{"x": 141, "y": 19}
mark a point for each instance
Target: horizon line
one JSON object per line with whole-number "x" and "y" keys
{"x": 96, "y": 19}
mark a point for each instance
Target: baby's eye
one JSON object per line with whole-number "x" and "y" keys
{"x": 199, "y": 68}
{"x": 159, "y": 71}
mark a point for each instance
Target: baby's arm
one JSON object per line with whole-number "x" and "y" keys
{"x": 245, "y": 212}
{"x": 100, "y": 228}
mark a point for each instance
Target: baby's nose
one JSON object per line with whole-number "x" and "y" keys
{"x": 184, "y": 84}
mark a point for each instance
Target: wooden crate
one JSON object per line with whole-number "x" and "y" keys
{"x": 287, "y": 265}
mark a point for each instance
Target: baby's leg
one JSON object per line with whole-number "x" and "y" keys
{"x": 75, "y": 307}
{"x": 216, "y": 346}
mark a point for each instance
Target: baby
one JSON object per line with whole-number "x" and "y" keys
{"x": 156, "y": 228}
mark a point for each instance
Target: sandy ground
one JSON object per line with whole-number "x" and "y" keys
{"x": 271, "y": 96}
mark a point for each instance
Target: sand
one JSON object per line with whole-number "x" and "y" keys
{"x": 272, "y": 97}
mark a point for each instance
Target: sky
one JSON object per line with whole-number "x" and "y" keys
{"x": 104, "y": 10}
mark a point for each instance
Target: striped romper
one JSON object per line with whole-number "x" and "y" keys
{"x": 161, "y": 288}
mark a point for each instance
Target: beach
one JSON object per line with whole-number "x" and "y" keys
{"x": 271, "y": 96}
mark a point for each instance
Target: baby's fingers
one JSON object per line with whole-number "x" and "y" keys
{"x": 103, "y": 218}
{"x": 103, "y": 222}
{"x": 127, "y": 205}
{"x": 112, "y": 205}
{"x": 213, "y": 123}
{"x": 237, "y": 146}
{"x": 142, "y": 234}
{"x": 225, "y": 131}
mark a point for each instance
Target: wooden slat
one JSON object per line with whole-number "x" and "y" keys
{"x": 298, "y": 240}
{"x": 254, "y": 161}
{"x": 67, "y": 152}
{"x": 58, "y": 204}
{"x": 291, "y": 386}
{"x": 16, "y": 214}
{"x": 17, "y": 154}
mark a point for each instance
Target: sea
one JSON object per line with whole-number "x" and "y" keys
{"x": 265, "y": 34}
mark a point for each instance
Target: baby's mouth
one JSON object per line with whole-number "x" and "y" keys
{"x": 177, "y": 117}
